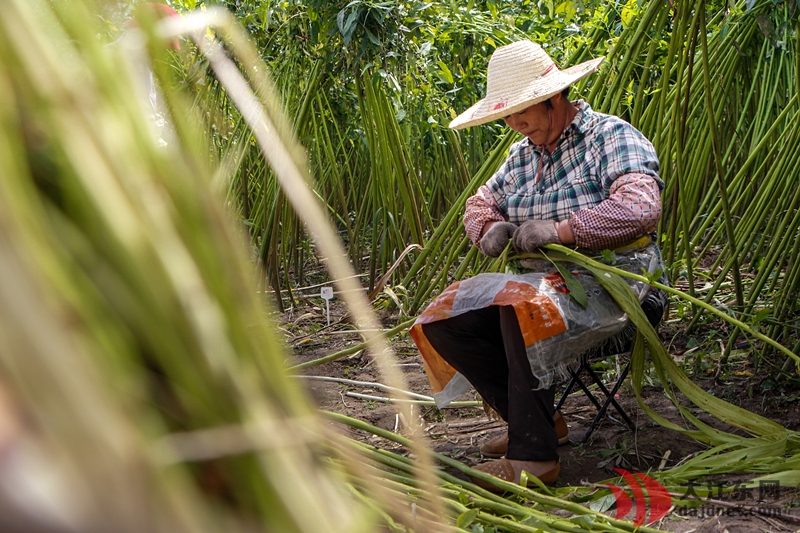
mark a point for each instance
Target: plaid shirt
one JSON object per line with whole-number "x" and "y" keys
{"x": 577, "y": 182}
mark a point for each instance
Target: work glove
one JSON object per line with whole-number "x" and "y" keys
{"x": 495, "y": 240}
{"x": 534, "y": 233}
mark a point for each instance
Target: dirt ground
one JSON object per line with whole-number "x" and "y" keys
{"x": 459, "y": 432}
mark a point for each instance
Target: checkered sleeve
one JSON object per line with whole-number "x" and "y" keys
{"x": 632, "y": 209}
{"x": 481, "y": 208}
{"x": 621, "y": 149}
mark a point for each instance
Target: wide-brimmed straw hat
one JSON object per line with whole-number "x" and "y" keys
{"x": 520, "y": 75}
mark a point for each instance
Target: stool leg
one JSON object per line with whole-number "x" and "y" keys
{"x": 609, "y": 401}
{"x": 610, "y": 395}
{"x": 568, "y": 390}
{"x": 601, "y": 408}
{"x": 586, "y": 390}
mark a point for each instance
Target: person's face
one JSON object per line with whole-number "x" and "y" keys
{"x": 532, "y": 122}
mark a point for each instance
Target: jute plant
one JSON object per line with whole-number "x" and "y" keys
{"x": 151, "y": 382}
{"x": 133, "y": 343}
{"x": 722, "y": 111}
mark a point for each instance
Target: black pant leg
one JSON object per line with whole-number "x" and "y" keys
{"x": 486, "y": 346}
{"x": 531, "y": 430}
{"x": 473, "y": 344}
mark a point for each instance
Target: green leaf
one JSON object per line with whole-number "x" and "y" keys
{"x": 761, "y": 315}
{"x": 340, "y": 20}
{"x": 349, "y": 25}
{"x": 654, "y": 276}
{"x": 586, "y": 521}
{"x": 372, "y": 38}
{"x": 444, "y": 72}
{"x": 601, "y": 505}
{"x": 576, "y": 290}
{"x": 609, "y": 257}
{"x": 466, "y": 518}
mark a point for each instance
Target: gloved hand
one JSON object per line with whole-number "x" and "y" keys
{"x": 494, "y": 241}
{"x": 534, "y": 233}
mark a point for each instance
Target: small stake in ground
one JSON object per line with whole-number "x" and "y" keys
{"x": 327, "y": 293}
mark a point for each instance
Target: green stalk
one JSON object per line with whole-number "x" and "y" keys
{"x": 388, "y": 334}
{"x": 676, "y": 47}
{"x": 626, "y": 64}
{"x": 737, "y": 280}
{"x": 444, "y": 230}
{"x": 542, "y": 499}
{"x": 572, "y": 255}
{"x": 648, "y": 65}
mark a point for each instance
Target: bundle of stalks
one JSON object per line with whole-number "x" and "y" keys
{"x": 146, "y": 384}
{"x": 722, "y": 109}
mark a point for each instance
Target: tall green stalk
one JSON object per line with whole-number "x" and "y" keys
{"x": 712, "y": 128}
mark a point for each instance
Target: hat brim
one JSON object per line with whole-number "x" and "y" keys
{"x": 493, "y": 108}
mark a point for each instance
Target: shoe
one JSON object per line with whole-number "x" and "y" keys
{"x": 510, "y": 470}
{"x": 498, "y": 446}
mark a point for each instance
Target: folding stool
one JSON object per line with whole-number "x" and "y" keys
{"x": 609, "y": 400}
{"x": 654, "y": 306}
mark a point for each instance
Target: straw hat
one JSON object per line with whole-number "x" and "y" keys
{"x": 520, "y": 75}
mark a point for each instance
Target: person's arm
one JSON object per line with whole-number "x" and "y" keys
{"x": 481, "y": 214}
{"x": 632, "y": 209}
{"x": 486, "y": 207}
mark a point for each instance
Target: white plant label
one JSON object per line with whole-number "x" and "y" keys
{"x": 327, "y": 294}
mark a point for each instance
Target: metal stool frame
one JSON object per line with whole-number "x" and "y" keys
{"x": 609, "y": 396}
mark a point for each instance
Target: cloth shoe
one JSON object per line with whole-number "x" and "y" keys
{"x": 511, "y": 470}
{"x": 498, "y": 446}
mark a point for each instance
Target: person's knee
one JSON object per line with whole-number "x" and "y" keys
{"x": 476, "y": 323}
{"x": 437, "y": 332}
